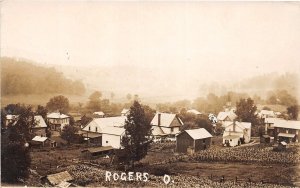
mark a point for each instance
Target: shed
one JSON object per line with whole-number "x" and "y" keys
{"x": 282, "y": 145}
{"x": 198, "y": 139}
{"x": 40, "y": 141}
{"x": 97, "y": 151}
{"x": 58, "y": 178}
{"x": 265, "y": 139}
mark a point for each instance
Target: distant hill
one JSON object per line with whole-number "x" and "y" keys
{"x": 21, "y": 77}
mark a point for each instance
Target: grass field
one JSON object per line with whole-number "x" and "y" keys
{"x": 51, "y": 161}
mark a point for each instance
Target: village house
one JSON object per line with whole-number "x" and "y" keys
{"x": 193, "y": 140}
{"x": 266, "y": 114}
{"x": 57, "y": 121}
{"x": 165, "y": 125}
{"x": 287, "y": 130}
{"x": 193, "y": 111}
{"x": 226, "y": 116}
{"x": 99, "y": 114}
{"x": 40, "y": 127}
{"x": 236, "y": 133}
{"x": 269, "y": 126}
{"x": 125, "y": 112}
{"x": 10, "y": 119}
{"x": 101, "y": 131}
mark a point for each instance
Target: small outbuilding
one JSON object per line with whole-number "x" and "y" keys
{"x": 40, "y": 141}
{"x": 265, "y": 139}
{"x": 195, "y": 139}
{"x": 97, "y": 151}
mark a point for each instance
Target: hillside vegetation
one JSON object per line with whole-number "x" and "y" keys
{"x": 20, "y": 77}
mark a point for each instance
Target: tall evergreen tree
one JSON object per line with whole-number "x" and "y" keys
{"x": 136, "y": 140}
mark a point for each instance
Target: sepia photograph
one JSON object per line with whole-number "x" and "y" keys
{"x": 150, "y": 93}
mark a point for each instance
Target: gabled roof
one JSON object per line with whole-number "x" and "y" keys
{"x": 56, "y": 115}
{"x": 287, "y": 124}
{"x": 165, "y": 119}
{"x": 39, "y": 139}
{"x": 101, "y": 123}
{"x": 124, "y": 111}
{"x": 198, "y": 133}
{"x": 243, "y": 125}
{"x": 193, "y": 111}
{"x": 57, "y": 178}
{"x": 113, "y": 131}
{"x": 223, "y": 115}
{"x": 157, "y": 131}
{"x": 272, "y": 120}
{"x": 40, "y": 122}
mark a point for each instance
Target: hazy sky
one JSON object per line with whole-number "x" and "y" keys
{"x": 190, "y": 39}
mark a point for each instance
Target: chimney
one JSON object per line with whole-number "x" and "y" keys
{"x": 158, "y": 121}
{"x": 234, "y": 126}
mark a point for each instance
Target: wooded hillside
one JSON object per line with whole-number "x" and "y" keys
{"x": 22, "y": 77}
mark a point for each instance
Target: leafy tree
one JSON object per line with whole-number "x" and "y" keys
{"x": 59, "y": 103}
{"x": 15, "y": 156}
{"x": 136, "y": 140}
{"x": 69, "y": 133}
{"x": 293, "y": 112}
{"x": 246, "y": 111}
{"x": 203, "y": 122}
{"x": 94, "y": 103}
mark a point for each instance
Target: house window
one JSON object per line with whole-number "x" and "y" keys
{"x": 230, "y": 140}
{"x": 96, "y": 129}
{"x": 203, "y": 141}
{"x": 172, "y": 129}
{"x": 106, "y": 141}
{"x": 89, "y": 128}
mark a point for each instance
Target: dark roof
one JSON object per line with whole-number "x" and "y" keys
{"x": 57, "y": 178}
{"x": 98, "y": 149}
{"x": 88, "y": 134}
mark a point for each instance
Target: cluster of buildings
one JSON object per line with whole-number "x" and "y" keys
{"x": 108, "y": 131}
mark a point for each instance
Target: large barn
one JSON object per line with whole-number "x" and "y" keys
{"x": 195, "y": 140}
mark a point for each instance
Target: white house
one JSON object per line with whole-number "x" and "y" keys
{"x": 112, "y": 136}
{"x": 57, "y": 121}
{"x": 165, "y": 124}
{"x": 267, "y": 114}
{"x": 125, "y": 112}
{"x": 10, "y": 119}
{"x": 101, "y": 130}
{"x": 241, "y": 129}
{"x": 226, "y": 116}
{"x": 99, "y": 114}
